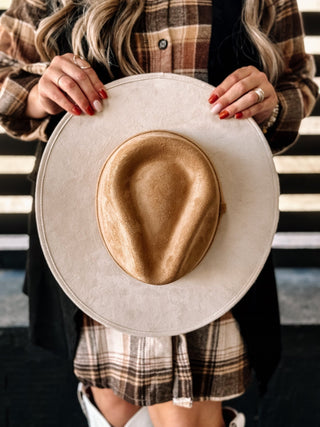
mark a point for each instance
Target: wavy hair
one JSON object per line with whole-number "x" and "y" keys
{"x": 107, "y": 26}
{"x": 258, "y": 31}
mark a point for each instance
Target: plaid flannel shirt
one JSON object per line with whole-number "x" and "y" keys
{"x": 186, "y": 27}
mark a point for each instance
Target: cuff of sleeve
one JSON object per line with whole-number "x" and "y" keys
{"x": 284, "y": 132}
{"x": 26, "y": 129}
{"x": 15, "y": 91}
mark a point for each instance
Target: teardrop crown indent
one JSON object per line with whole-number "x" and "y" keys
{"x": 158, "y": 205}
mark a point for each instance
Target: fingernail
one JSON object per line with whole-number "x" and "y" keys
{"x": 103, "y": 94}
{"x": 216, "y": 109}
{"x": 213, "y": 98}
{"x": 89, "y": 110}
{"x": 76, "y": 110}
{"x": 224, "y": 114}
{"x": 97, "y": 106}
{"x": 238, "y": 115}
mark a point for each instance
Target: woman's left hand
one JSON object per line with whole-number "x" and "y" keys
{"x": 238, "y": 96}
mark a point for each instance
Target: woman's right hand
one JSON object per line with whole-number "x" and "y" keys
{"x": 68, "y": 84}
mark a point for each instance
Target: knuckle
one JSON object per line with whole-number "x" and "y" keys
{"x": 56, "y": 60}
{"x": 69, "y": 84}
{"x": 242, "y": 87}
{"x": 253, "y": 97}
{"x": 81, "y": 76}
{"x": 90, "y": 71}
{"x": 235, "y": 77}
{"x": 252, "y": 69}
{"x": 263, "y": 76}
{"x": 220, "y": 91}
{"x": 96, "y": 82}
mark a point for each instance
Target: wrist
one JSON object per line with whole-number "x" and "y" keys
{"x": 34, "y": 109}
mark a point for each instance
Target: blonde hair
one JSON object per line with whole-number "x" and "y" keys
{"x": 107, "y": 26}
{"x": 258, "y": 31}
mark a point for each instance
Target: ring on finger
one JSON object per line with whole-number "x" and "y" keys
{"x": 75, "y": 61}
{"x": 59, "y": 78}
{"x": 260, "y": 94}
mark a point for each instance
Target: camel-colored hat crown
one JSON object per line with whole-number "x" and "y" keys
{"x": 158, "y": 204}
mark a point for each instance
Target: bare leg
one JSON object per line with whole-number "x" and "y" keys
{"x": 202, "y": 414}
{"x": 116, "y": 410}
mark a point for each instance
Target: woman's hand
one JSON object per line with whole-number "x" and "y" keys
{"x": 68, "y": 84}
{"x": 236, "y": 96}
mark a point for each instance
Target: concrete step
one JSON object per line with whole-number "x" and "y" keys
{"x": 298, "y": 288}
{"x": 13, "y": 302}
{"x": 299, "y": 295}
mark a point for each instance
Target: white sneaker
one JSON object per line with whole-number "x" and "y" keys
{"x": 233, "y": 418}
{"x": 96, "y": 419}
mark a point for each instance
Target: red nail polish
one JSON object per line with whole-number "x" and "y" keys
{"x": 103, "y": 94}
{"x": 76, "y": 110}
{"x": 90, "y": 110}
{"x": 213, "y": 98}
{"x": 224, "y": 114}
{"x": 238, "y": 115}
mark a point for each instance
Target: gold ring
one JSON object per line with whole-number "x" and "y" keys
{"x": 58, "y": 79}
{"x": 83, "y": 67}
{"x": 260, "y": 94}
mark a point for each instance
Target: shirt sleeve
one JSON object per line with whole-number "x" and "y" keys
{"x": 296, "y": 90}
{"x": 20, "y": 68}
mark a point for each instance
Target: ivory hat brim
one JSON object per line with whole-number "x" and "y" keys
{"x": 66, "y": 207}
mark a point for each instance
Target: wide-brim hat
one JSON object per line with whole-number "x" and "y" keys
{"x": 97, "y": 174}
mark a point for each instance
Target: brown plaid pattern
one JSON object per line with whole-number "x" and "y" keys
{"x": 207, "y": 364}
{"x": 186, "y": 25}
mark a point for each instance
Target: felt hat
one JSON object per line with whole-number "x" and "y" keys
{"x": 155, "y": 216}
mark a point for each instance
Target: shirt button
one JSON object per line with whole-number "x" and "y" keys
{"x": 163, "y": 43}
